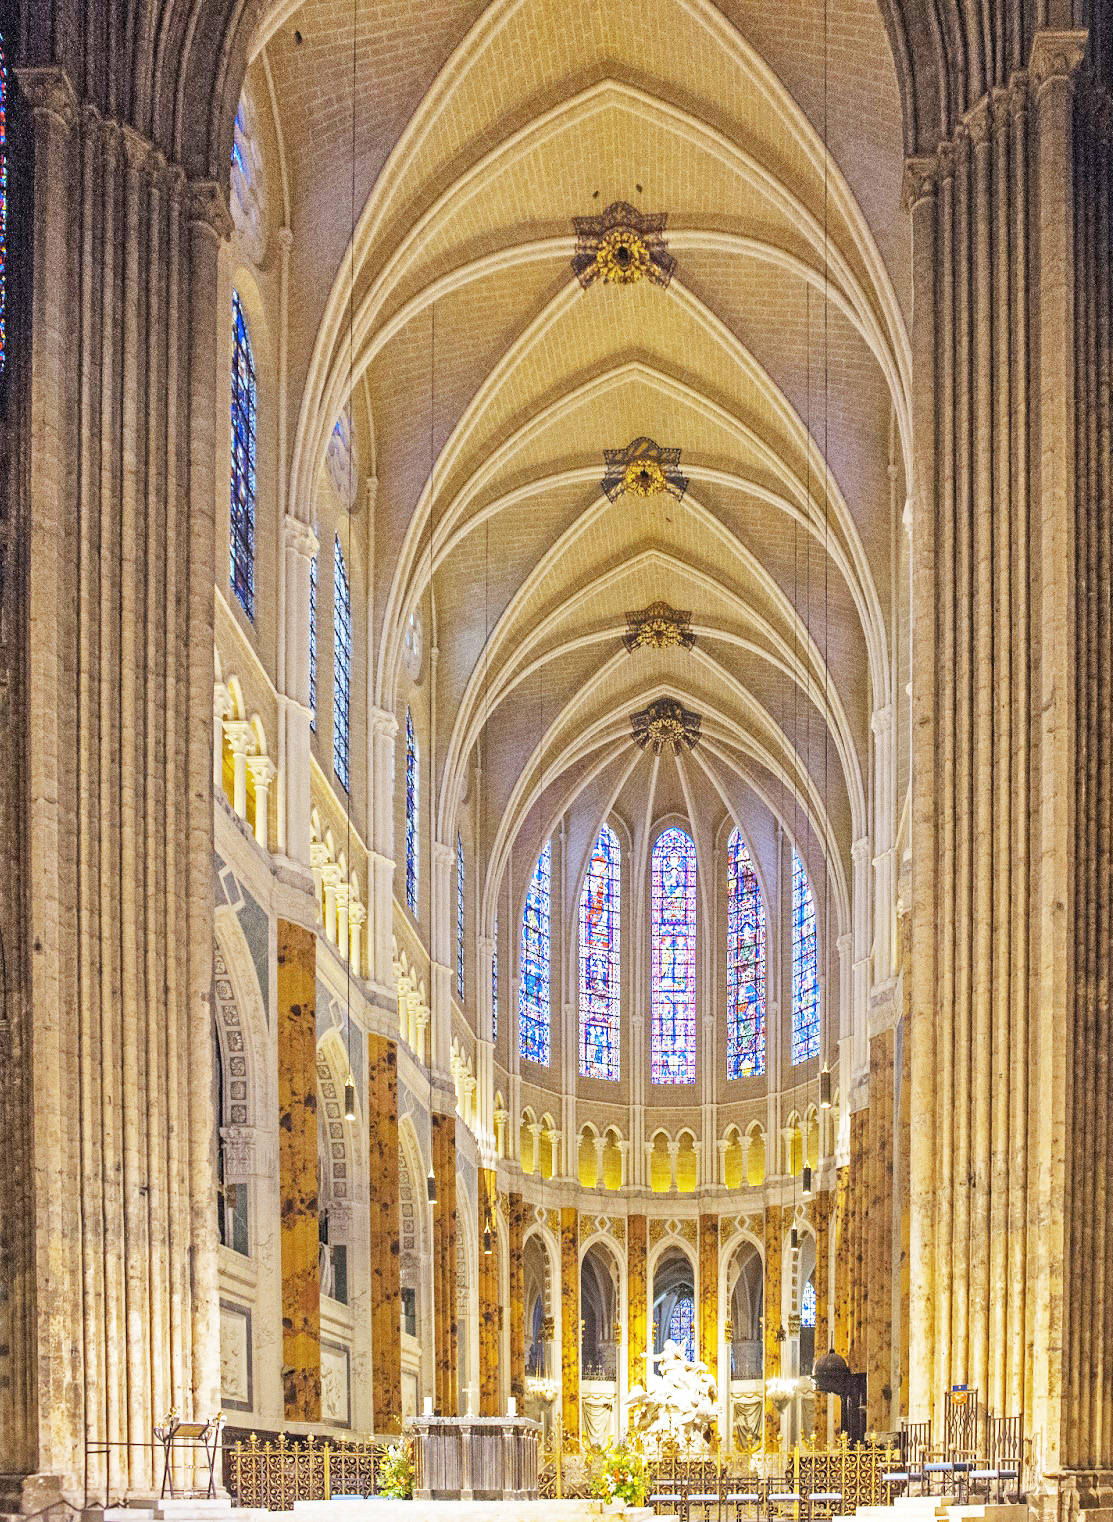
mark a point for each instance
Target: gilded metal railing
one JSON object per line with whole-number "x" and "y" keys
{"x": 275, "y": 1475}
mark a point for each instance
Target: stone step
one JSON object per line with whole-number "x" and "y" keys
{"x": 186, "y": 1509}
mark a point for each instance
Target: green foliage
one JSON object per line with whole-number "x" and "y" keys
{"x": 396, "y": 1474}
{"x": 622, "y": 1476}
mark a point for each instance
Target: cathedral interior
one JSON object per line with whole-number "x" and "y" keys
{"x": 556, "y": 672}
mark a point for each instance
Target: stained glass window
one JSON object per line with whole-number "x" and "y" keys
{"x": 600, "y": 904}
{"x": 495, "y": 983}
{"x": 682, "y": 1327}
{"x": 745, "y": 964}
{"x": 807, "y": 1304}
{"x": 342, "y": 668}
{"x": 673, "y": 987}
{"x": 461, "y": 879}
{"x": 244, "y": 406}
{"x": 411, "y": 814}
{"x": 313, "y": 643}
{"x": 3, "y": 205}
{"x": 533, "y": 996}
{"x": 805, "y": 966}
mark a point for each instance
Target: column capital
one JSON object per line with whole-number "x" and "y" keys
{"x": 205, "y": 206}
{"x": 882, "y": 720}
{"x": 285, "y": 239}
{"x": 263, "y": 770}
{"x": 861, "y": 850}
{"x": 240, "y": 736}
{"x": 299, "y": 536}
{"x": 50, "y": 90}
{"x": 1055, "y": 55}
{"x": 920, "y": 174}
{"x": 383, "y": 723}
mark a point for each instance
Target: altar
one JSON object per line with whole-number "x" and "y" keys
{"x": 481, "y": 1458}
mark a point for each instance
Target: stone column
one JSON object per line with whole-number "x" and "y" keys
{"x": 294, "y": 714}
{"x": 821, "y": 1211}
{"x": 444, "y": 1264}
{"x": 296, "y": 1032}
{"x": 380, "y": 892}
{"x": 262, "y": 771}
{"x": 570, "y": 1321}
{"x": 386, "y": 1285}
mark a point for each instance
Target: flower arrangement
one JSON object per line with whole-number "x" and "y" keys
{"x": 622, "y": 1476}
{"x": 396, "y": 1474}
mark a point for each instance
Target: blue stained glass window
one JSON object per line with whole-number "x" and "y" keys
{"x": 673, "y": 986}
{"x": 411, "y": 814}
{"x": 533, "y": 996}
{"x": 461, "y": 879}
{"x": 3, "y": 205}
{"x": 600, "y": 906}
{"x": 807, "y": 1304}
{"x": 244, "y": 406}
{"x": 745, "y": 964}
{"x": 805, "y": 966}
{"x": 682, "y": 1327}
{"x": 342, "y": 669}
{"x": 313, "y": 643}
{"x": 495, "y": 984}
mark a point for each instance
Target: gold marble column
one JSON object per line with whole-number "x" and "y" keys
{"x": 637, "y": 1297}
{"x": 878, "y": 1329}
{"x": 444, "y": 1266}
{"x": 570, "y": 1322}
{"x": 774, "y": 1228}
{"x": 386, "y": 1283}
{"x": 822, "y": 1207}
{"x": 516, "y": 1297}
{"x": 708, "y": 1302}
{"x": 840, "y": 1303}
{"x": 489, "y": 1300}
{"x": 296, "y": 1040}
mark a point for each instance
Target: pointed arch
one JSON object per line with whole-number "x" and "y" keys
{"x": 600, "y": 959}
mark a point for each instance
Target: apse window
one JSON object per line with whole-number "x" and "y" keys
{"x": 745, "y": 964}
{"x": 805, "y": 966}
{"x": 244, "y": 409}
{"x": 342, "y": 669}
{"x": 600, "y": 903}
{"x": 533, "y": 996}
{"x": 673, "y": 932}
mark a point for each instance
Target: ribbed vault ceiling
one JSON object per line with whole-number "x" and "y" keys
{"x": 776, "y": 360}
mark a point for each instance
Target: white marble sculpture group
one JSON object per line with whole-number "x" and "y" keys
{"x": 678, "y": 1409}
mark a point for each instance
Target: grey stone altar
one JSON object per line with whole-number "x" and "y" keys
{"x": 482, "y": 1458}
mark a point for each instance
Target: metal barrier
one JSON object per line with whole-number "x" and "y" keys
{"x": 275, "y": 1475}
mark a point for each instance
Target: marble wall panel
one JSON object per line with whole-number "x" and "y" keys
{"x": 444, "y": 1266}
{"x": 709, "y": 1332}
{"x": 386, "y": 1281}
{"x": 516, "y": 1297}
{"x": 490, "y": 1309}
{"x": 637, "y": 1296}
{"x": 774, "y": 1230}
{"x": 297, "y": 1167}
{"x": 570, "y": 1321}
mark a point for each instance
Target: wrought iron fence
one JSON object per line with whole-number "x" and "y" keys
{"x": 273, "y": 1475}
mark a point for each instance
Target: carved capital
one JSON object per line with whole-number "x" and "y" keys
{"x": 384, "y": 723}
{"x": 137, "y": 150}
{"x": 205, "y": 206}
{"x": 977, "y": 122}
{"x": 245, "y": 1153}
{"x": 300, "y": 537}
{"x": 1055, "y": 56}
{"x": 919, "y": 180}
{"x": 285, "y": 238}
{"x": 49, "y": 91}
